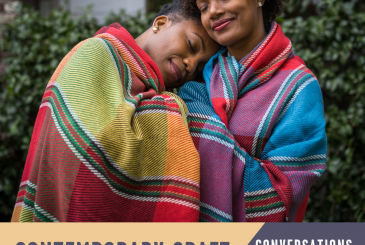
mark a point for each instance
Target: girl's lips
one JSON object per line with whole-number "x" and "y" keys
{"x": 221, "y": 24}
{"x": 175, "y": 72}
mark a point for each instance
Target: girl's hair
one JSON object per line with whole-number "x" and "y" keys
{"x": 270, "y": 10}
{"x": 177, "y": 13}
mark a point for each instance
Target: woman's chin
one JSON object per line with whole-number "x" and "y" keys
{"x": 225, "y": 38}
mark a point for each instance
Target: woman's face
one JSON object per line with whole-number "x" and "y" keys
{"x": 230, "y": 21}
{"x": 180, "y": 50}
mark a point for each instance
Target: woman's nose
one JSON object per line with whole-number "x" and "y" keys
{"x": 191, "y": 65}
{"x": 215, "y": 10}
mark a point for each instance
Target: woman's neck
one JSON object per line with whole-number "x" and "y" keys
{"x": 244, "y": 46}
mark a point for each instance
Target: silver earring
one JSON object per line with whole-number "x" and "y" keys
{"x": 260, "y": 4}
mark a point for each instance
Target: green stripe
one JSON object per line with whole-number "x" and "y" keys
{"x": 263, "y": 197}
{"x": 140, "y": 108}
{"x": 152, "y": 82}
{"x": 115, "y": 56}
{"x": 261, "y": 208}
{"x": 28, "y": 202}
{"x": 212, "y": 133}
{"x": 225, "y": 76}
{"x": 41, "y": 216}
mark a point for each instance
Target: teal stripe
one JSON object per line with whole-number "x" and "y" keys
{"x": 213, "y": 214}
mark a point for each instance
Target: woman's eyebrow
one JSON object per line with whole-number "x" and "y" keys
{"x": 202, "y": 40}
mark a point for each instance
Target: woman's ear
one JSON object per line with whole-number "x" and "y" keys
{"x": 160, "y": 23}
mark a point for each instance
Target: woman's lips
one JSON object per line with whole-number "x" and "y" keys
{"x": 175, "y": 72}
{"x": 221, "y": 24}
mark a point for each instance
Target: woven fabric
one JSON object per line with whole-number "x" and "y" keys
{"x": 108, "y": 143}
{"x": 259, "y": 127}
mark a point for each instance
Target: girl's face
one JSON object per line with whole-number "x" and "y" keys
{"x": 180, "y": 50}
{"x": 230, "y": 21}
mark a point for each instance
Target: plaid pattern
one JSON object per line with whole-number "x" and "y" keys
{"x": 258, "y": 125}
{"x": 107, "y": 144}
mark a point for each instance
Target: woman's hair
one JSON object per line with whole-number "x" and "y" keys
{"x": 177, "y": 13}
{"x": 270, "y": 10}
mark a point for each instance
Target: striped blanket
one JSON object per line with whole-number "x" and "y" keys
{"x": 259, "y": 127}
{"x": 108, "y": 143}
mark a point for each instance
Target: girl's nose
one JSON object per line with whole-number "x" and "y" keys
{"x": 191, "y": 64}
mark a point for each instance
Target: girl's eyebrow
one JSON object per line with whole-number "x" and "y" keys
{"x": 202, "y": 40}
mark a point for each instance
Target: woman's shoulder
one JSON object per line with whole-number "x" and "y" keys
{"x": 298, "y": 78}
{"x": 297, "y": 74}
{"x": 297, "y": 65}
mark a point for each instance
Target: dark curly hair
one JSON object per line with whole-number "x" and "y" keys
{"x": 177, "y": 13}
{"x": 270, "y": 10}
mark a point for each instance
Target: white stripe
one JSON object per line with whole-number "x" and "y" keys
{"x": 259, "y": 129}
{"x": 294, "y": 97}
{"x": 276, "y": 59}
{"x": 25, "y": 206}
{"x": 263, "y": 45}
{"x": 201, "y": 116}
{"x": 198, "y": 115}
{"x": 184, "y": 203}
{"x": 44, "y": 104}
{"x": 240, "y": 156}
{"x": 167, "y": 98}
{"x": 32, "y": 185}
{"x": 266, "y": 213}
{"x": 318, "y": 174}
{"x": 24, "y": 183}
{"x": 259, "y": 192}
{"x": 19, "y": 204}
{"x": 209, "y": 137}
{"x": 45, "y": 213}
{"x": 215, "y": 210}
{"x": 50, "y": 84}
{"x": 296, "y": 159}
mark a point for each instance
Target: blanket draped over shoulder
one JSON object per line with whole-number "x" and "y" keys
{"x": 259, "y": 127}
{"x": 108, "y": 143}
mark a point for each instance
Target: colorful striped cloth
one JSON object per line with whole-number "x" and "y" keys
{"x": 259, "y": 127}
{"x": 107, "y": 144}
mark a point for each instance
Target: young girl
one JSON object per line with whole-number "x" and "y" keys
{"x": 258, "y": 122}
{"x": 109, "y": 144}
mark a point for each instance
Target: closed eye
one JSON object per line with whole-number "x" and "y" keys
{"x": 203, "y": 9}
{"x": 191, "y": 46}
{"x": 202, "y": 6}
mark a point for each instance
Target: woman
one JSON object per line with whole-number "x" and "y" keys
{"x": 109, "y": 144}
{"x": 258, "y": 122}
